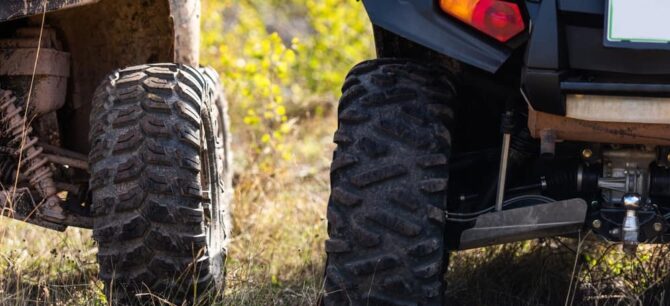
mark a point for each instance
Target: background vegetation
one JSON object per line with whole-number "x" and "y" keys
{"x": 282, "y": 62}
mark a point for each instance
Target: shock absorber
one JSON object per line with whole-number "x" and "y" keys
{"x": 32, "y": 165}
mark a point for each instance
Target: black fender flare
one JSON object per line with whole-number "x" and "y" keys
{"x": 421, "y": 21}
{"x": 13, "y": 9}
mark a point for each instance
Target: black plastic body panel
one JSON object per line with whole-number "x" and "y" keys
{"x": 422, "y": 22}
{"x": 567, "y": 54}
{"x": 13, "y": 9}
{"x": 544, "y": 61}
{"x": 587, "y": 52}
{"x": 616, "y": 89}
{"x": 596, "y": 7}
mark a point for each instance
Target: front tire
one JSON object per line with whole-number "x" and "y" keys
{"x": 158, "y": 172}
{"x": 389, "y": 177}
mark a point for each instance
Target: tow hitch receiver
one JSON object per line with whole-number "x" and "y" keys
{"x": 544, "y": 220}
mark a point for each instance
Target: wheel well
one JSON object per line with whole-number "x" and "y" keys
{"x": 484, "y": 95}
{"x": 389, "y": 44}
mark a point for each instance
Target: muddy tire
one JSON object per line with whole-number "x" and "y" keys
{"x": 159, "y": 168}
{"x": 389, "y": 186}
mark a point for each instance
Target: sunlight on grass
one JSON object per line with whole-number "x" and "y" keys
{"x": 277, "y": 253}
{"x": 42, "y": 266}
{"x": 282, "y": 63}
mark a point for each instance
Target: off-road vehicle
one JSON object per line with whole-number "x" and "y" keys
{"x": 108, "y": 123}
{"x": 485, "y": 122}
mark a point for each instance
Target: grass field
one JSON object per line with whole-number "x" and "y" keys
{"x": 283, "y": 63}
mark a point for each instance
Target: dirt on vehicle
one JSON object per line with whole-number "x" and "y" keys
{"x": 108, "y": 123}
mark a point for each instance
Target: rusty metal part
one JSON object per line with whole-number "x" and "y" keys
{"x": 13, "y": 9}
{"x": 47, "y": 129}
{"x": 63, "y": 160}
{"x": 32, "y": 165}
{"x": 26, "y": 37}
{"x": 601, "y": 132}
{"x": 17, "y": 65}
{"x": 21, "y": 61}
{"x": 62, "y": 152}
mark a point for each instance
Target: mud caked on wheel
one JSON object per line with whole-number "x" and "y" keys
{"x": 389, "y": 176}
{"x": 160, "y": 182}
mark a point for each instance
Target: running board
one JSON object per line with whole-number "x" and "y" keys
{"x": 537, "y": 221}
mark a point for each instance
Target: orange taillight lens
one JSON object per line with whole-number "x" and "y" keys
{"x": 499, "y": 19}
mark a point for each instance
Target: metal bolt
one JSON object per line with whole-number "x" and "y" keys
{"x": 597, "y": 223}
{"x": 658, "y": 226}
{"x": 668, "y": 157}
{"x": 587, "y": 153}
{"x": 615, "y": 232}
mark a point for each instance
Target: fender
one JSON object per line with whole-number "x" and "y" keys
{"x": 13, "y": 9}
{"x": 421, "y": 21}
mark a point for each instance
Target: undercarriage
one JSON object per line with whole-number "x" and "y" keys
{"x": 44, "y": 183}
{"x": 108, "y": 123}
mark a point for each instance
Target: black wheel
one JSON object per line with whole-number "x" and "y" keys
{"x": 159, "y": 169}
{"x": 389, "y": 186}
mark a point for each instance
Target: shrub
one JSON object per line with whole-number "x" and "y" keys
{"x": 280, "y": 61}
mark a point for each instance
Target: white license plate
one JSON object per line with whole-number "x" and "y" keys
{"x": 644, "y": 21}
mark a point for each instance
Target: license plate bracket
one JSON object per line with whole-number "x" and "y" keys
{"x": 637, "y": 24}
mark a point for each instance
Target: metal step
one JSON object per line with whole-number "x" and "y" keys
{"x": 537, "y": 221}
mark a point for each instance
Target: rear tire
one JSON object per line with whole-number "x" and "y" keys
{"x": 389, "y": 177}
{"x": 159, "y": 166}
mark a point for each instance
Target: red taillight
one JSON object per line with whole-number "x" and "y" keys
{"x": 498, "y": 19}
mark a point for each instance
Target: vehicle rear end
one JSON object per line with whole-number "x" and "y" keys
{"x": 488, "y": 121}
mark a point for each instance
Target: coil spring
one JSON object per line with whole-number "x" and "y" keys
{"x": 33, "y": 166}
{"x": 7, "y": 169}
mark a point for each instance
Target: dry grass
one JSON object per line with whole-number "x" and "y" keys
{"x": 277, "y": 254}
{"x": 276, "y": 257}
{"x": 40, "y": 266}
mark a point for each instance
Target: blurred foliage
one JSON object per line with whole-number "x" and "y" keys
{"x": 281, "y": 61}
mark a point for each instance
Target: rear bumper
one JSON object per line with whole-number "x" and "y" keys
{"x": 596, "y": 131}
{"x": 566, "y": 55}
